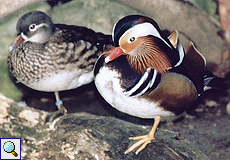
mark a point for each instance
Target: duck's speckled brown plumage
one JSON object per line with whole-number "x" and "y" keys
{"x": 54, "y": 57}
{"x": 70, "y": 48}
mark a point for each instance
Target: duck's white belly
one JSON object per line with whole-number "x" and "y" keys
{"x": 62, "y": 81}
{"x": 108, "y": 85}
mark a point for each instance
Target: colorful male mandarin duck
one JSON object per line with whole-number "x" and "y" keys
{"x": 147, "y": 74}
{"x": 54, "y": 57}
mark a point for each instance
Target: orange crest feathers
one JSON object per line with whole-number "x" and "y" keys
{"x": 148, "y": 55}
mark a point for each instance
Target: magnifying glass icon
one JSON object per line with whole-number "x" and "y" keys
{"x": 9, "y": 147}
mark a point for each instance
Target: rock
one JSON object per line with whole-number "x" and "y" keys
{"x": 7, "y": 8}
{"x": 224, "y": 12}
{"x": 86, "y": 136}
{"x": 98, "y": 15}
{"x": 4, "y": 105}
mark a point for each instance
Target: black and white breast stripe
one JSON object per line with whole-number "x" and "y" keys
{"x": 181, "y": 53}
{"x": 147, "y": 83}
{"x": 150, "y": 79}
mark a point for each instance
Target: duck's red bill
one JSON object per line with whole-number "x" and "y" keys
{"x": 115, "y": 53}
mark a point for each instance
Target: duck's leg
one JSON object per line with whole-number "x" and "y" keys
{"x": 145, "y": 139}
{"x": 61, "y": 109}
{"x": 59, "y": 104}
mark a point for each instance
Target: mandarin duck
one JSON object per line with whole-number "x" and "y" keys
{"x": 147, "y": 74}
{"x": 54, "y": 57}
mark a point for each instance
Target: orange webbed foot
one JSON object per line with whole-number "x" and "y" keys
{"x": 145, "y": 139}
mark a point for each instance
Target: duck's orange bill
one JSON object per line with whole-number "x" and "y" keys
{"x": 115, "y": 53}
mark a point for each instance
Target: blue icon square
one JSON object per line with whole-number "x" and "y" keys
{"x": 10, "y": 148}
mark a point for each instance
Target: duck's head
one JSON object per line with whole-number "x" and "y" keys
{"x": 141, "y": 40}
{"x": 34, "y": 26}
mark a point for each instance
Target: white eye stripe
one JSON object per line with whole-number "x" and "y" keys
{"x": 35, "y": 36}
{"x": 143, "y": 29}
{"x": 37, "y": 26}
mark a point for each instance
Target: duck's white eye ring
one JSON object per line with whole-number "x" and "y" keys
{"x": 32, "y": 27}
{"x": 132, "y": 39}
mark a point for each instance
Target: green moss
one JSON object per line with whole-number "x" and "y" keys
{"x": 209, "y": 6}
{"x": 7, "y": 87}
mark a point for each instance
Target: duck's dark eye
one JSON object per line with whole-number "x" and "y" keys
{"x": 32, "y": 27}
{"x": 132, "y": 39}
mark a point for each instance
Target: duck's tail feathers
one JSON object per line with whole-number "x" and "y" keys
{"x": 213, "y": 82}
